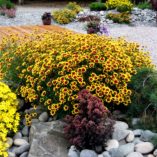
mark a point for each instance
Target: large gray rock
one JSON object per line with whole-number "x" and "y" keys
{"x": 122, "y": 151}
{"x": 47, "y": 140}
{"x": 73, "y": 152}
{"x": 119, "y": 134}
{"x": 106, "y": 154}
{"x": 120, "y": 125}
{"x": 25, "y": 131}
{"x": 43, "y": 117}
{"x": 25, "y": 154}
{"x": 137, "y": 132}
{"x": 147, "y": 135}
{"x": 22, "y": 149}
{"x": 130, "y": 137}
{"x": 111, "y": 144}
{"x": 20, "y": 142}
{"x": 88, "y": 153}
{"x": 144, "y": 147}
{"x": 135, "y": 154}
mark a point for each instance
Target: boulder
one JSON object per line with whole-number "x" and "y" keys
{"x": 43, "y": 117}
{"x": 88, "y": 153}
{"x": 135, "y": 154}
{"x": 22, "y": 149}
{"x": 130, "y": 137}
{"x": 47, "y": 140}
{"x": 147, "y": 135}
{"x": 20, "y": 142}
{"x": 144, "y": 147}
{"x": 111, "y": 144}
{"x": 120, "y": 134}
{"x": 120, "y": 125}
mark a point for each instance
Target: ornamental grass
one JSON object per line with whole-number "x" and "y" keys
{"x": 51, "y": 68}
{"x": 9, "y": 118}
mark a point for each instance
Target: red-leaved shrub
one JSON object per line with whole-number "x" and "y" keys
{"x": 92, "y": 126}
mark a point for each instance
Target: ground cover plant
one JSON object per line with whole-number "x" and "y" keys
{"x": 9, "y": 117}
{"x": 67, "y": 14}
{"x": 51, "y": 68}
{"x": 92, "y": 126}
{"x": 119, "y": 17}
{"x": 97, "y": 6}
{"x": 144, "y": 5}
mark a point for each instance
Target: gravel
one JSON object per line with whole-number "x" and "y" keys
{"x": 145, "y": 35}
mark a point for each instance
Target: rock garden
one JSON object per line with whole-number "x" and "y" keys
{"x": 82, "y": 93}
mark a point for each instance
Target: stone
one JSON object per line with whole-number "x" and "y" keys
{"x": 150, "y": 155}
{"x": 100, "y": 155}
{"x": 88, "y": 153}
{"x": 111, "y": 144}
{"x": 22, "y": 149}
{"x": 43, "y": 117}
{"x": 17, "y": 135}
{"x": 21, "y": 103}
{"x": 47, "y": 140}
{"x": 20, "y": 142}
{"x": 155, "y": 152}
{"x": 137, "y": 140}
{"x": 137, "y": 132}
{"x": 9, "y": 141}
{"x": 147, "y": 135}
{"x": 122, "y": 151}
{"x": 25, "y": 154}
{"x": 119, "y": 134}
{"x": 25, "y": 131}
{"x": 144, "y": 147}
{"x": 73, "y": 152}
{"x": 121, "y": 125}
{"x": 25, "y": 138}
{"x": 11, "y": 154}
{"x": 106, "y": 154}
{"x": 122, "y": 142}
{"x": 135, "y": 154}
{"x": 130, "y": 137}
{"x": 35, "y": 120}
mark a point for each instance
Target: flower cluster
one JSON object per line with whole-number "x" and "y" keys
{"x": 9, "y": 118}
{"x": 121, "y": 5}
{"x": 92, "y": 126}
{"x": 51, "y": 68}
{"x": 67, "y": 14}
{"x": 119, "y": 17}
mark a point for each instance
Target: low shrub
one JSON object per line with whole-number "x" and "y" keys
{"x": 92, "y": 126}
{"x": 97, "y": 6}
{"x": 51, "y": 68}
{"x": 64, "y": 16}
{"x": 144, "y": 5}
{"x": 121, "y": 5}
{"x": 89, "y": 18}
{"x": 119, "y": 17}
{"x": 74, "y": 7}
{"x": 9, "y": 118}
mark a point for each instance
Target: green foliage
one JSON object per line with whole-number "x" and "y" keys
{"x": 124, "y": 8}
{"x": 9, "y": 5}
{"x": 73, "y": 6}
{"x": 154, "y": 141}
{"x": 119, "y": 17}
{"x": 144, "y": 85}
{"x": 97, "y": 6}
{"x": 144, "y": 5}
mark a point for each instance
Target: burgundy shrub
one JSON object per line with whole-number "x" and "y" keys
{"x": 92, "y": 126}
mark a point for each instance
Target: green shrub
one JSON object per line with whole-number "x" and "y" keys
{"x": 97, "y": 6}
{"x": 64, "y": 16}
{"x": 124, "y": 8}
{"x": 119, "y": 17}
{"x": 74, "y": 7}
{"x": 144, "y": 5}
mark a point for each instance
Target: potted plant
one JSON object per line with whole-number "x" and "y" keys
{"x": 46, "y": 18}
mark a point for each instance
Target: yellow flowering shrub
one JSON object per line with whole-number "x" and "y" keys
{"x": 121, "y": 5}
{"x": 51, "y": 69}
{"x": 74, "y": 6}
{"x": 9, "y": 118}
{"x": 64, "y": 16}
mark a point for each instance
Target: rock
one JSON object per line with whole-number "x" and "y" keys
{"x": 144, "y": 147}
{"x": 48, "y": 138}
{"x": 106, "y": 154}
{"x": 150, "y": 155}
{"x": 43, "y": 117}
{"x": 137, "y": 140}
{"x": 9, "y": 141}
{"x": 130, "y": 137}
{"x": 17, "y": 135}
{"x": 25, "y": 131}
{"x": 122, "y": 151}
{"x": 100, "y": 155}
{"x": 122, "y": 142}
{"x": 98, "y": 149}
{"x": 20, "y": 142}
{"x": 88, "y": 153}
{"x": 25, "y": 138}
{"x": 121, "y": 125}
{"x": 21, "y": 103}
{"x": 22, "y": 149}
{"x": 135, "y": 154}
{"x": 73, "y": 152}
{"x": 25, "y": 154}
{"x": 119, "y": 134}
{"x": 35, "y": 121}
{"x": 155, "y": 152}
{"x": 112, "y": 144}
{"x": 147, "y": 135}
{"x": 137, "y": 132}
{"x": 12, "y": 149}
{"x": 11, "y": 154}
